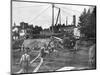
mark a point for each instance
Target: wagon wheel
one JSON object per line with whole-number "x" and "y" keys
{"x": 72, "y": 44}
{"x": 50, "y": 47}
{"x": 66, "y": 43}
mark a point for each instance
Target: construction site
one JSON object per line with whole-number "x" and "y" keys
{"x": 60, "y": 47}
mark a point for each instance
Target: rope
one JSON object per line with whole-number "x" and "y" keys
{"x": 41, "y": 61}
{"x": 37, "y": 68}
{"x": 35, "y": 58}
{"x": 39, "y": 14}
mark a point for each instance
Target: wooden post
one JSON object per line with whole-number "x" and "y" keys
{"x": 52, "y": 17}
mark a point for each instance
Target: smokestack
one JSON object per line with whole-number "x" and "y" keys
{"x": 74, "y": 20}
{"x": 66, "y": 21}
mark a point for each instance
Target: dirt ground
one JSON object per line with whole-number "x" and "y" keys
{"x": 55, "y": 61}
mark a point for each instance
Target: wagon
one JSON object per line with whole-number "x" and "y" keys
{"x": 66, "y": 42}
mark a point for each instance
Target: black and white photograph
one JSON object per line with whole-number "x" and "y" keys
{"x": 52, "y": 37}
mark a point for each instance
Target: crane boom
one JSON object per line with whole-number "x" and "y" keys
{"x": 58, "y": 16}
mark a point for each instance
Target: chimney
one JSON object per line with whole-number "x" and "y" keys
{"x": 66, "y": 21}
{"x": 74, "y": 20}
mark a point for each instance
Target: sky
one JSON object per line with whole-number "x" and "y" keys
{"x": 41, "y": 14}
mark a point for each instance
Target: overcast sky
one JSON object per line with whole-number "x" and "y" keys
{"x": 41, "y": 14}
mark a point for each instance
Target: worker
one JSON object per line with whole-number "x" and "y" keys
{"x": 24, "y": 61}
{"x": 43, "y": 53}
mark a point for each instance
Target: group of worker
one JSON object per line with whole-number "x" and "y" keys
{"x": 26, "y": 62}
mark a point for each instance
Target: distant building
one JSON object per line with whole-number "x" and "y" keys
{"x": 15, "y": 32}
{"x": 68, "y": 29}
{"x": 77, "y": 33}
{"x": 19, "y": 31}
{"x": 24, "y": 25}
{"x": 71, "y": 29}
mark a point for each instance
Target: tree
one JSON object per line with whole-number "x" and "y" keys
{"x": 87, "y": 23}
{"x": 37, "y": 29}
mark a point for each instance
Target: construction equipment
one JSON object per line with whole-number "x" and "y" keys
{"x": 65, "y": 42}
